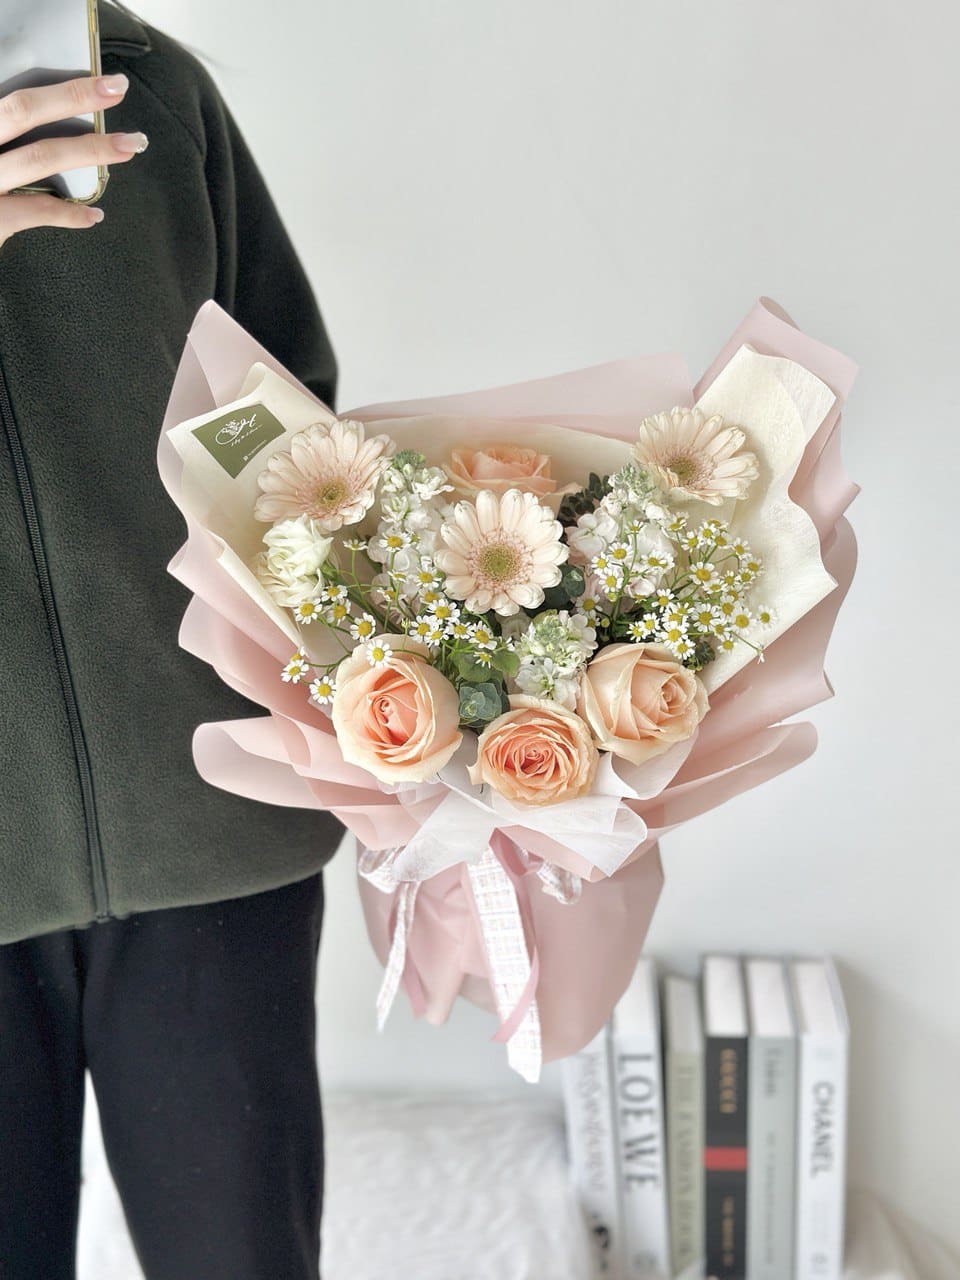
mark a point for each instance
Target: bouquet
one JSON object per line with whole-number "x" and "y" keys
{"x": 512, "y": 638}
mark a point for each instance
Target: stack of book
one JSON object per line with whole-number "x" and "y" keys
{"x": 707, "y": 1124}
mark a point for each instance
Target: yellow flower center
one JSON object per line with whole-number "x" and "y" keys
{"x": 685, "y": 468}
{"x": 328, "y": 495}
{"x": 499, "y": 562}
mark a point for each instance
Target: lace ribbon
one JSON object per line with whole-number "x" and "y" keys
{"x": 513, "y": 975}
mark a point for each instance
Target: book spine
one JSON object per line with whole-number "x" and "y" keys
{"x": 638, "y": 1097}
{"x": 771, "y": 1129}
{"x": 821, "y": 1158}
{"x": 725, "y": 1157}
{"x": 685, "y": 1158}
{"x": 590, "y": 1137}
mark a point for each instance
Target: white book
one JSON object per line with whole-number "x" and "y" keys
{"x": 821, "y": 1119}
{"x": 638, "y": 1102}
{"x": 590, "y": 1142}
{"x": 771, "y": 1120}
{"x": 683, "y": 1063}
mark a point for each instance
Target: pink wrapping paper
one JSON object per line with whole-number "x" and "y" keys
{"x": 583, "y": 954}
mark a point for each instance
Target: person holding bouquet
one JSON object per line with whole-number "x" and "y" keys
{"x": 157, "y": 932}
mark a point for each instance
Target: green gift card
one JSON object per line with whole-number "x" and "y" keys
{"x": 236, "y": 437}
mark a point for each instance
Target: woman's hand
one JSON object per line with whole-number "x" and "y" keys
{"x": 25, "y": 109}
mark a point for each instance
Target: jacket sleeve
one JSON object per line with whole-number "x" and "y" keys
{"x": 260, "y": 280}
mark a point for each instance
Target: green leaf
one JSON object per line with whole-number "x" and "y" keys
{"x": 570, "y": 587}
{"x": 573, "y": 581}
{"x": 507, "y": 663}
{"x": 470, "y": 670}
{"x": 577, "y": 504}
{"x": 480, "y": 703}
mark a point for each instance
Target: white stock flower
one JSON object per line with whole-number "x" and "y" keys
{"x": 592, "y": 534}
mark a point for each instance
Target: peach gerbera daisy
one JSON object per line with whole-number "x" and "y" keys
{"x": 501, "y": 552}
{"x": 692, "y": 456}
{"x": 330, "y": 475}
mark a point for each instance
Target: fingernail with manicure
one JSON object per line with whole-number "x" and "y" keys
{"x": 113, "y": 86}
{"x": 96, "y": 215}
{"x": 132, "y": 144}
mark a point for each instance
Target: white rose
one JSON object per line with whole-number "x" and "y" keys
{"x": 290, "y": 567}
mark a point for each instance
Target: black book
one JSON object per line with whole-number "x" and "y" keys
{"x": 725, "y": 1118}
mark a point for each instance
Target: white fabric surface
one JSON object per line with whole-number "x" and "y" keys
{"x": 454, "y": 1188}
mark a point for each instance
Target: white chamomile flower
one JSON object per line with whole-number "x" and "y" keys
{"x": 458, "y": 629}
{"x": 706, "y": 617}
{"x": 338, "y": 612}
{"x": 672, "y": 636}
{"x": 657, "y": 562}
{"x": 431, "y": 596}
{"x": 751, "y": 568}
{"x": 740, "y": 547}
{"x": 643, "y": 628}
{"x": 620, "y": 552}
{"x": 684, "y": 648}
{"x": 730, "y": 579}
{"x": 663, "y": 597}
{"x": 426, "y": 576}
{"x": 445, "y": 610}
{"x": 766, "y": 616}
{"x": 333, "y": 594}
{"x": 364, "y": 627}
{"x": 589, "y": 606}
{"x": 600, "y": 562}
{"x": 676, "y": 524}
{"x": 395, "y": 539}
{"x": 483, "y": 658}
{"x": 307, "y": 611}
{"x": 355, "y": 544}
{"x": 707, "y": 533}
{"x": 704, "y": 574}
{"x": 741, "y": 618}
{"x": 435, "y": 633}
{"x": 323, "y": 690}
{"x": 728, "y": 606}
{"x": 378, "y": 653}
{"x": 612, "y": 582}
{"x": 297, "y": 669}
{"x": 690, "y": 540}
{"x": 727, "y": 643}
{"x": 420, "y": 627}
{"x": 676, "y": 615}
{"x": 481, "y": 637}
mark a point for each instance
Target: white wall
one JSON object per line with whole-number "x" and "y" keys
{"x": 487, "y": 190}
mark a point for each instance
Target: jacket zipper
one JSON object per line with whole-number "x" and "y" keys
{"x": 84, "y": 772}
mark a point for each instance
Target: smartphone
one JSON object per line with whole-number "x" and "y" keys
{"x": 45, "y": 42}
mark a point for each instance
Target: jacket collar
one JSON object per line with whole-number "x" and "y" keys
{"x": 120, "y": 32}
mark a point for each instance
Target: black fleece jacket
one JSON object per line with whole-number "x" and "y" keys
{"x": 101, "y": 810}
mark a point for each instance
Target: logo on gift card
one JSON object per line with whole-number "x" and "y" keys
{"x": 235, "y": 438}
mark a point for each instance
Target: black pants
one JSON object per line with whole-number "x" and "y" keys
{"x": 197, "y": 1026}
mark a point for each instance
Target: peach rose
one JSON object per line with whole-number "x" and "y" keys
{"x": 400, "y": 720}
{"x": 500, "y": 467}
{"x": 538, "y": 752}
{"x": 639, "y": 700}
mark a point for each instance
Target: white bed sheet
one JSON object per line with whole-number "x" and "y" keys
{"x": 454, "y": 1188}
